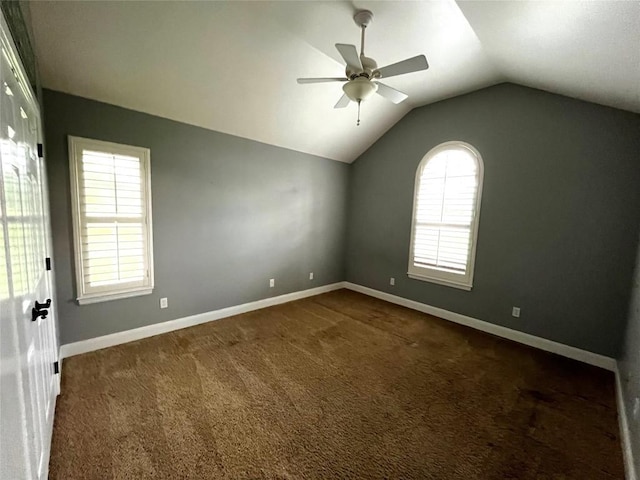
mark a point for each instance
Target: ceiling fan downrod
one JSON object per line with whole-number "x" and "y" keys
{"x": 363, "y": 18}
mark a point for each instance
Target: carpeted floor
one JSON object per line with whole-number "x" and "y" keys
{"x": 336, "y": 386}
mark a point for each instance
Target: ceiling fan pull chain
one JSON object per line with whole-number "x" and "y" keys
{"x": 358, "y": 124}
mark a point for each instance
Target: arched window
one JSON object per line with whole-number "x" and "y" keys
{"x": 446, "y": 208}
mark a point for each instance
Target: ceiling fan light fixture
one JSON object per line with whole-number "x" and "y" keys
{"x": 359, "y": 89}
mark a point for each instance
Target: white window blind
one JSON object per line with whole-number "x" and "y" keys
{"x": 112, "y": 219}
{"x": 445, "y": 214}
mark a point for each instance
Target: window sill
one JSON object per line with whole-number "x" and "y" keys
{"x": 106, "y": 297}
{"x": 446, "y": 283}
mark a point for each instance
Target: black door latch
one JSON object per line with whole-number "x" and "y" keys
{"x": 40, "y": 310}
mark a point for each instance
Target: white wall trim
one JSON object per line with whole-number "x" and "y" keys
{"x": 84, "y": 346}
{"x": 542, "y": 343}
{"x": 625, "y": 434}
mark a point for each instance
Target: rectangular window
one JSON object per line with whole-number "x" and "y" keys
{"x": 111, "y": 205}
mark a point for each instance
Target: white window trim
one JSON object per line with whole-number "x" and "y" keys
{"x": 464, "y": 282}
{"x": 76, "y": 146}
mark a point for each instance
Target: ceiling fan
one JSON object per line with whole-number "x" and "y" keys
{"x": 362, "y": 72}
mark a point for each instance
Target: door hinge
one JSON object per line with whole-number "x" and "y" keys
{"x": 47, "y": 262}
{"x": 40, "y": 150}
{"x": 56, "y": 367}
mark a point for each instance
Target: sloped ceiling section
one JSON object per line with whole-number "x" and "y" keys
{"x": 232, "y": 66}
{"x": 587, "y": 50}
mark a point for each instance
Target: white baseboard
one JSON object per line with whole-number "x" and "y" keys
{"x": 625, "y": 434}
{"x": 84, "y": 346}
{"x": 542, "y": 343}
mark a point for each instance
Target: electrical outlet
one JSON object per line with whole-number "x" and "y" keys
{"x": 272, "y": 282}
{"x": 515, "y": 312}
{"x": 310, "y": 275}
{"x": 164, "y": 302}
{"x": 392, "y": 281}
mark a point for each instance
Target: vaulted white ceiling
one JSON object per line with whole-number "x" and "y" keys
{"x": 232, "y": 66}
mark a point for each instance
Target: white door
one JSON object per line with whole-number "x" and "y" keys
{"x": 28, "y": 342}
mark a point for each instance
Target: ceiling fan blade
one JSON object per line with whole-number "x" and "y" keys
{"x": 350, "y": 55}
{"x": 409, "y": 65}
{"x": 343, "y": 102}
{"x": 321, "y": 80}
{"x": 389, "y": 93}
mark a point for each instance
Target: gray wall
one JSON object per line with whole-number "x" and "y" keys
{"x": 228, "y": 214}
{"x": 629, "y": 364}
{"x": 559, "y": 216}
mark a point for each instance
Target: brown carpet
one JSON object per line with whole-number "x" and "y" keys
{"x": 336, "y": 386}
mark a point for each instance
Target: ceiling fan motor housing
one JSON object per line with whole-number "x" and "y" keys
{"x": 369, "y": 68}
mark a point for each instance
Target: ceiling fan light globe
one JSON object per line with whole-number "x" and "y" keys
{"x": 359, "y": 89}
